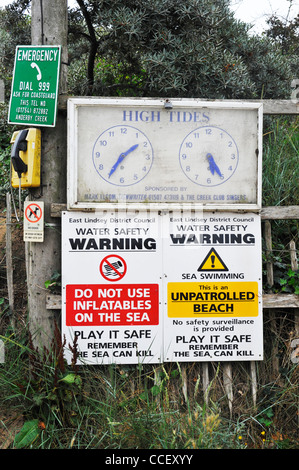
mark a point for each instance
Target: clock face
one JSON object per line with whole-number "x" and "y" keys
{"x": 208, "y": 156}
{"x": 123, "y": 155}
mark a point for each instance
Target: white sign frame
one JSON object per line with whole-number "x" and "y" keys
{"x": 85, "y": 130}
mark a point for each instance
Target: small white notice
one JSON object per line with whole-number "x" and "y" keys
{"x": 33, "y": 221}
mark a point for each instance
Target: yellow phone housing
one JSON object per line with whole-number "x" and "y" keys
{"x": 31, "y": 157}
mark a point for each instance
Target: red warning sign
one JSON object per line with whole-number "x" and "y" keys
{"x": 33, "y": 212}
{"x": 99, "y": 304}
{"x": 113, "y": 268}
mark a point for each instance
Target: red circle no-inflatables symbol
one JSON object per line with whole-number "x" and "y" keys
{"x": 113, "y": 268}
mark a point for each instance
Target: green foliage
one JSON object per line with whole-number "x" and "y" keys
{"x": 4, "y": 173}
{"x": 49, "y": 389}
{"x": 182, "y": 49}
{"x": 290, "y": 282}
{"x": 266, "y": 417}
{"x": 28, "y": 434}
{"x": 5, "y": 128}
{"x": 5, "y": 149}
{"x": 285, "y": 279}
{"x": 134, "y": 407}
{"x": 168, "y": 48}
{"x": 54, "y": 283}
{"x": 280, "y": 162}
{"x": 285, "y": 32}
{"x": 14, "y": 30}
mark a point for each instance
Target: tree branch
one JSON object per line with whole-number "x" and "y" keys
{"x": 93, "y": 44}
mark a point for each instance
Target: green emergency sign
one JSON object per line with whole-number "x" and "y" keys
{"x": 34, "y": 92}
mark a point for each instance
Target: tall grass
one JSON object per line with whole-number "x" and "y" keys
{"x": 134, "y": 407}
{"x": 281, "y": 162}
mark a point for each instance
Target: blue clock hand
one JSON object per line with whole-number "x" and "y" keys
{"x": 121, "y": 157}
{"x": 212, "y": 165}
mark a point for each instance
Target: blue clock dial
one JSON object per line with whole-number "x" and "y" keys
{"x": 122, "y": 155}
{"x": 208, "y": 156}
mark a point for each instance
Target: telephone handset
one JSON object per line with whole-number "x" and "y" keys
{"x": 26, "y": 158}
{"x": 20, "y": 144}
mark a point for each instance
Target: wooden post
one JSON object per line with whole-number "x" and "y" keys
{"x": 48, "y": 27}
{"x": 205, "y": 381}
{"x": 270, "y": 279}
{"x": 228, "y": 385}
{"x": 253, "y": 382}
{"x": 294, "y": 267}
{"x": 9, "y": 264}
{"x": 2, "y": 91}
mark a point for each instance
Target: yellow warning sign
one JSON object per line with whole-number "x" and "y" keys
{"x": 212, "y": 262}
{"x": 224, "y": 299}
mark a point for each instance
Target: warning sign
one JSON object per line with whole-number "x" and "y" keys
{"x": 212, "y": 262}
{"x": 193, "y": 300}
{"x": 107, "y": 306}
{"x": 111, "y": 276}
{"x": 33, "y": 221}
{"x": 213, "y": 289}
{"x": 169, "y": 286}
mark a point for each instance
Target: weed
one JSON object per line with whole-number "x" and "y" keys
{"x": 54, "y": 283}
{"x": 290, "y": 282}
{"x": 136, "y": 407}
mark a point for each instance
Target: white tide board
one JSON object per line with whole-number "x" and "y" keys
{"x": 166, "y": 162}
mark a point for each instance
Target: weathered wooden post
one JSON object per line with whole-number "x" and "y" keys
{"x": 2, "y": 91}
{"x": 49, "y": 27}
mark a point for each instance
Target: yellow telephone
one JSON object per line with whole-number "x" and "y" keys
{"x": 26, "y": 158}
